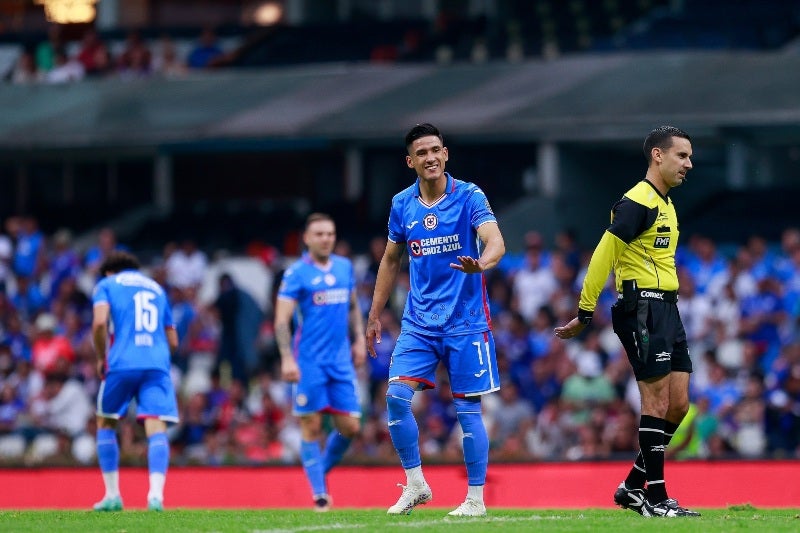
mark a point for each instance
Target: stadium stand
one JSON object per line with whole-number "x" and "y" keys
{"x": 264, "y": 136}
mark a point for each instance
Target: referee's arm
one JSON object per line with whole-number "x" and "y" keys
{"x": 629, "y": 220}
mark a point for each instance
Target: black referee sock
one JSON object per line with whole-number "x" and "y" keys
{"x": 637, "y": 477}
{"x": 669, "y": 431}
{"x": 651, "y": 446}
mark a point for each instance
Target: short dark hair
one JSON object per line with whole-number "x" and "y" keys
{"x": 316, "y": 217}
{"x": 117, "y": 261}
{"x": 661, "y": 137}
{"x": 422, "y": 130}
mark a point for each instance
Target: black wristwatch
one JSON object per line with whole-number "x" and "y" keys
{"x": 585, "y": 317}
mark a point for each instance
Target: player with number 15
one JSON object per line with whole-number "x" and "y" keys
{"x": 132, "y": 309}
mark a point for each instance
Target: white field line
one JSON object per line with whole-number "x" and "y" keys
{"x": 423, "y": 523}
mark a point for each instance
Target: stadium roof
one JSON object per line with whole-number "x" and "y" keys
{"x": 574, "y": 98}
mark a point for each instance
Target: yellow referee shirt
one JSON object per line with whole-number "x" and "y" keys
{"x": 639, "y": 244}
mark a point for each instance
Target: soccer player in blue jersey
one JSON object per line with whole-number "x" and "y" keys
{"x": 318, "y": 291}
{"x": 133, "y": 335}
{"x": 451, "y": 236}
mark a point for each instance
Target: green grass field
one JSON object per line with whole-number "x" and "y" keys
{"x": 739, "y": 518}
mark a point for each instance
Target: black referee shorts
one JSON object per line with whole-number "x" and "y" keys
{"x": 653, "y": 337}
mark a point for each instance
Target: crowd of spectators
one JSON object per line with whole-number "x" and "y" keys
{"x": 55, "y": 60}
{"x": 573, "y": 400}
{"x": 545, "y": 29}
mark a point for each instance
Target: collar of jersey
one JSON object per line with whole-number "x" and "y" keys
{"x": 306, "y": 257}
{"x": 663, "y": 197}
{"x": 451, "y": 186}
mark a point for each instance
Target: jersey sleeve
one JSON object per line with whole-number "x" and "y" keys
{"x": 603, "y": 259}
{"x": 479, "y": 208}
{"x": 291, "y": 285}
{"x": 100, "y": 293}
{"x": 396, "y": 229}
{"x": 628, "y": 221}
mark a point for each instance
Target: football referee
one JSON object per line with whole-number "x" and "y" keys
{"x": 640, "y": 245}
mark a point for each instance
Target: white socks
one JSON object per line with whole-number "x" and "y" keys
{"x": 157, "y": 481}
{"x": 414, "y": 476}
{"x": 111, "y": 481}
{"x": 475, "y": 492}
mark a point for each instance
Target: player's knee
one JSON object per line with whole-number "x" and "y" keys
{"x": 153, "y": 426}
{"x": 656, "y": 403}
{"x": 350, "y": 428}
{"x": 678, "y": 409}
{"x": 311, "y": 426}
{"x": 655, "y": 406}
{"x": 398, "y": 397}
{"x": 467, "y": 405}
{"x": 468, "y": 410}
{"x": 106, "y": 423}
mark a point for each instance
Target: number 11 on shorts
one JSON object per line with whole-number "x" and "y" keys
{"x": 477, "y": 346}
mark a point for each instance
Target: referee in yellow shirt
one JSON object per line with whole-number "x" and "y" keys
{"x": 640, "y": 246}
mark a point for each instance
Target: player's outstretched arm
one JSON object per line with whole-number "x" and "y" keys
{"x": 569, "y": 330}
{"x": 384, "y": 282}
{"x": 494, "y": 247}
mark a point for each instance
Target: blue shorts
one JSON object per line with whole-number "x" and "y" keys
{"x": 470, "y": 361}
{"x": 152, "y": 389}
{"x": 326, "y": 388}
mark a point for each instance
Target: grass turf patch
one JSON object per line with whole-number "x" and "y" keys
{"x": 735, "y": 518}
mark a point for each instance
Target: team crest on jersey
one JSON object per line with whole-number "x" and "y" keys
{"x": 430, "y": 221}
{"x": 302, "y": 400}
{"x": 330, "y": 279}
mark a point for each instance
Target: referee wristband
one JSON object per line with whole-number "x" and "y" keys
{"x": 585, "y": 317}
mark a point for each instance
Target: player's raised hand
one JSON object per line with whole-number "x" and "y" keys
{"x": 573, "y": 328}
{"x": 467, "y": 264}
{"x": 373, "y": 335}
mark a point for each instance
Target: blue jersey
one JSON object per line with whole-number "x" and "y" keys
{"x": 26, "y": 253}
{"x": 442, "y": 299}
{"x": 139, "y": 313}
{"x": 323, "y": 304}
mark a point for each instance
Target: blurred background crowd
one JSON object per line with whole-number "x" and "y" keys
{"x": 559, "y": 400}
{"x": 133, "y": 39}
{"x": 199, "y": 134}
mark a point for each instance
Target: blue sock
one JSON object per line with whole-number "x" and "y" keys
{"x": 107, "y": 450}
{"x": 312, "y": 464}
{"x": 158, "y": 453}
{"x": 335, "y": 447}
{"x": 476, "y": 441}
{"x": 402, "y": 425}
